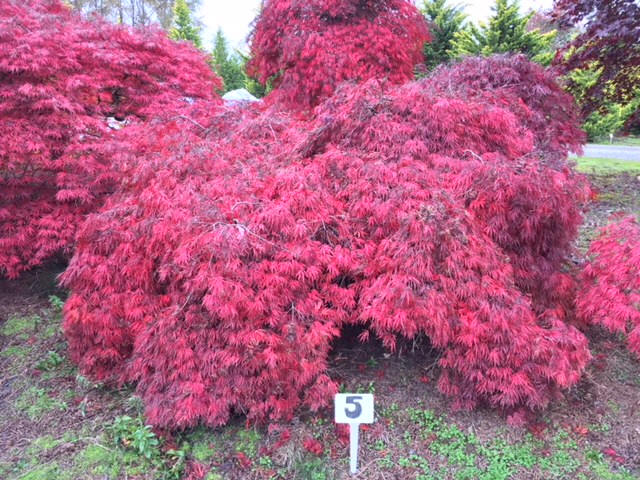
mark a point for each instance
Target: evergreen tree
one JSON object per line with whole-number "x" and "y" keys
{"x": 445, "y": 21}
{"x": 183, "y": 26}
{"x": 253, "y": 85}
{"x": 507, "y": 32}
{"x": 228, "y": 66}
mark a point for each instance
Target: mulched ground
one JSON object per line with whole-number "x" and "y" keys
{"x": 615, "y": 194}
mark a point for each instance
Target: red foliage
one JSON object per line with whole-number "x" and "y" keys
{"x": 609, "y": 32}
{"x": 312, "y": 46}
{"x": 195, "y": 471}
{"x": 248, "y": 334}
{"x": 528, "y": 90}
{"x": 610, "y": 452}
{"x": 61, "y": 77}
{"x": 313, "y": 446}
{"x": 245, "y": 239}
{"x": 610, "y": 288}
{"x": 532, "y": 207}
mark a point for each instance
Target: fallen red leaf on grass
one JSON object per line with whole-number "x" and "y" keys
{"x": 195, "y": 471}
{"x": 243, "y": 461}
{"x": 581, "y": 430}
{"x": 610, "y": 452}
{"x": 314, "y": 446}
{"x": 537, "y": 429}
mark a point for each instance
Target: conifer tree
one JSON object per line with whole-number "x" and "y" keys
{"x": 227, "y": 66}
{"x": 183, "y": 26}
{"x": 506, "y": 32}
{"x": 445, "y": 21}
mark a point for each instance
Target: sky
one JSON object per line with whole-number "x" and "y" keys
{"x": 235, "y": 16}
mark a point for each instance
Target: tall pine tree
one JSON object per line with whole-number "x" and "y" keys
{"x": 227, "y": 66}
{"x": 183, "y": 25}
{"x": 506, "y": 32}
{"x": 445, "y": 21}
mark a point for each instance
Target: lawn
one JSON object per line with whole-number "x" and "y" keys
{"x": 607, "y": 166}
{"x": 626, "y": 141}
{"x": 631, "y": 141}
{"x": 58, "y": 425}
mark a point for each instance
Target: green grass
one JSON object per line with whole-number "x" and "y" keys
{"x": 35, "y": 402}
{"x": 21, "y": 327}
{"x": 634, "y": 142}
{"x": 463, "y": 456}
{"x": 607, "y": 166}
{"x": 15, "y": 352}
{"x": 417, "y": 443}
{"x": 626, "y": 141}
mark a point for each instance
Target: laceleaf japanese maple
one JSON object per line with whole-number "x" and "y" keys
{"x": 528, "y": 90}
{"x": 246, "y": 238}
{"x": 610, "y": 281}
{"x": 310, "y": 47}
{"x": 531, "y": 207}
{"x": 61, "y": 79}
{"x": 208, "y": 313}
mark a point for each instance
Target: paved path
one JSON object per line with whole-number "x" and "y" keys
{"x": 616, "y": 152}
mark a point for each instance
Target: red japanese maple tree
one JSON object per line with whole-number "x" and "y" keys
{"x": 310, "y": 47}
{"x": 610, "y": 293}
{"x": 608, "y": 35}
{"x": 531, "y": 208}
{"x": 246, "y": 238}
{"x": 61, "y": 78}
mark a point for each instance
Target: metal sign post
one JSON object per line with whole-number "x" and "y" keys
{"x": 354, "y": 409}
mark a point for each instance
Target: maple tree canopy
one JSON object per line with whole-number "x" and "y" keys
{"x": 246, "y": 238}
{"x": 311, "y": 46}
{"x": 61, "y": 78}
{"x": 220, "y": 250}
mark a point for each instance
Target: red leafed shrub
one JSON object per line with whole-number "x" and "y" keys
{"x": 245, "y": 239}
{"x": 527, "y": 89}
{"x": 61, "y": 78}
{"x": 312, "y": 46}
{"x": 215, "y": 240}
{"x": 610, "y": 293}
{"x": 532, "y": 207}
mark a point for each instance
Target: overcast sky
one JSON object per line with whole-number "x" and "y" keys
{"x": 235, "y": 16}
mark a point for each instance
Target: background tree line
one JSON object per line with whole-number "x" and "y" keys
{"x": 536, "y": 34}
{"x": 607, "y": 90}
{"x": 134, "y": 12}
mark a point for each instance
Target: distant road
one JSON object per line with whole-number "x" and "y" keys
{"x": 616, "y": 152}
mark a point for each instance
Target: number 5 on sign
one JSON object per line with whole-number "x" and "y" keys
{"x": 354, "y": 409}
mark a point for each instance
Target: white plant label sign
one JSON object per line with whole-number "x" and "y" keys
{"x": 354, "y": 409}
